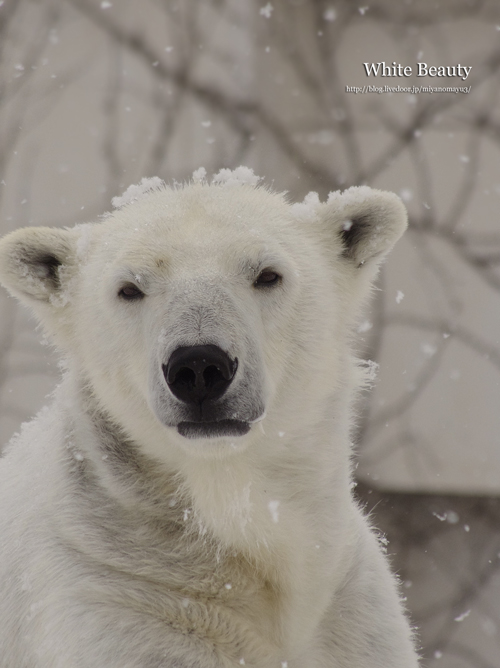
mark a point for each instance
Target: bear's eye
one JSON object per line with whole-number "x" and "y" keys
{"x": 267, "y": 278}
{"x": 130, "y": 292}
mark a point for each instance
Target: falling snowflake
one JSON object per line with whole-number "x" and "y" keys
{"x": 267, "y": 10}
{"x": 428, "y": 349}
{"x": 365, "y": 326}
{"x": 273, "y": 509}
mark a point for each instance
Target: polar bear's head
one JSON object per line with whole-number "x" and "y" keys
{"x": 194, "y": 312}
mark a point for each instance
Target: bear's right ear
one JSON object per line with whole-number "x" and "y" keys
{"x": 36, "y": 264}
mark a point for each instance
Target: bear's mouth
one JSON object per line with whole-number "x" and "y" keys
{"x": 216, "y": 429}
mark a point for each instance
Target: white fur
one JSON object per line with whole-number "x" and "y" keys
{"x": 127, "y": 545}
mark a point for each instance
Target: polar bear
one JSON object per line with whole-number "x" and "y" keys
{"x": 186, "y": 499}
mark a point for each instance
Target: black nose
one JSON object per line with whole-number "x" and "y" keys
{"x": 196, "y": 373}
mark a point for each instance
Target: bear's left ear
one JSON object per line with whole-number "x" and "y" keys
{"x": 367, "y": 222}
{"x": 36, "y": 264}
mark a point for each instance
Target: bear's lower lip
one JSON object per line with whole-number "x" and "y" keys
{"x": 217, "y": 429}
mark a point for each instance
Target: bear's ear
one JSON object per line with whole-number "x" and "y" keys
{"x": 37, "y": 262}
{"x": 368, "y": 223}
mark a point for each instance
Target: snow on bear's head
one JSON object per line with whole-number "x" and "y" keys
{"x": 194, "y": 313}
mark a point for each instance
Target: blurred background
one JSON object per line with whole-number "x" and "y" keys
{"x": 95, "y": 94}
